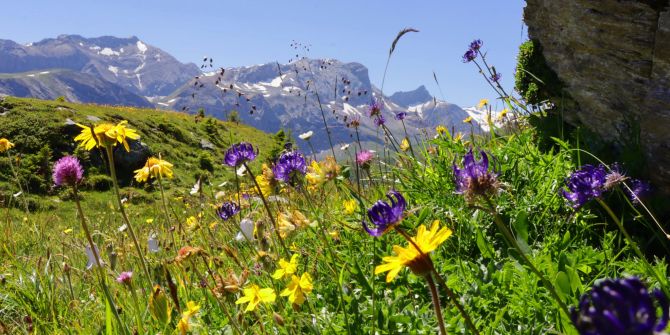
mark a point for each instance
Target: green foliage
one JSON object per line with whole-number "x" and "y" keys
{"x": 98, "y": 182}
{"x": 534, "y": 79}
{"x": 234, "y": 116}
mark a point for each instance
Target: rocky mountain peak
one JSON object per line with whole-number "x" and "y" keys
{"x": 411, "y": 98}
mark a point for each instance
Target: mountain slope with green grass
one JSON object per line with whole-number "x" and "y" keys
{"x": 44, "y": 131}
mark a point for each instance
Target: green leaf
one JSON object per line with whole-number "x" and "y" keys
{"x": 563, "y": 283}
{"x": 521, "y": 226}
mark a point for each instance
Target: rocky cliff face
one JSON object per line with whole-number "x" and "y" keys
{"x": 614, "y": 58}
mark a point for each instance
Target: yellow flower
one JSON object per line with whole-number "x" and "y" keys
{"x": 297, "y": 288}
{"x": 468, "y": 120}
{"x": 150, "y": 220}
{"x": 458, "y": 137}
{"x": 441, "y": 130}
{"x": 290, "y": 221}
{"x": 184, "y": 323}
{"x": 254, "y": 295}
{"x": 154, "y": 167}
{"x": 105, "y": 135}
{"x": 404, "y": 145}
{"x": 191, "y": 223}
{"x": 418, "y": 262}
{"x": 502, "y": 114}
{"x": 350, "y": 206}
{"x": 265, "y": 185}
{"x": 5, "y": 145}
{"x": 482, "y": 103}
{"x": 315, "y": 176}
{"x": 286, "y": 268}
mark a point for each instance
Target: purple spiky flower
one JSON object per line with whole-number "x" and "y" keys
{"x": 400, "y": 116}
{"x": 289, "y": 166}
{"x": 67, "y": 171}
{"x": 469, "y": 56}
{"x": 476, "y": 45}
{"x": 585, "y": 184}
{"x": 638, "y": 189}
{"x": 239, "y": 153}
{"x": 496, "y": 77}
{"x": 380, "y": 120}
{"x": 227, "y": 210}
{"x": 475, "y": 178}
{"x": 385, "y": 216}
{"x": 375, "y": 108}
{"x": 621, "y": 307}
{"x": 363, "y": 158}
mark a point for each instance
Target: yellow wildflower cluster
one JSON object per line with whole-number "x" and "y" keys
{"x": 254, "y": 295}
{"x": 106, "y": 135}
{"x": 184, "y": 325}
{"x": 5, "y": 145}
{"x": 154, "y": 167}
{"x": 319, "y": 173}
{"x": 291, "y": 220}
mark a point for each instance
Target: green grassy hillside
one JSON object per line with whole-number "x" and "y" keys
{"x": 43, "y": 131}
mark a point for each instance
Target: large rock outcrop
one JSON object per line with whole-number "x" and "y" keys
{"x": 613, "y": 56}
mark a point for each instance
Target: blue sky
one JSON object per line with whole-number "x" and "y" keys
{"x": 237, "y": 33}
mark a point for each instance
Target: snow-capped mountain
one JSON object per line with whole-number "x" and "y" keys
{"x": 297, "y": 96}
{"x": 127, "y": 62}
{"x": 274, "y": 96}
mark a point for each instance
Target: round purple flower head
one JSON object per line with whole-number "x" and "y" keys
{"x": 124, "y": 277}
{"x": 476, "y": 45}
{"x": 288, "y": 166}
{"x": 385, "y": 216}
{"x": 475, "y": 178}
{"x": 227, "y": 210}
{"x": 239, "y": 153}
{"x": 380, "y": 120}
{"x": 67, "y": 171}
{"x": 638, "y": 189}
{"x": 401, "y": 116}
{"x": 621, "y": 307}
{"x": 496, "y": 77}
{"x": 469, "y": 56}
{"x": 585, "y": 184}
{"x": 375, "y": 108}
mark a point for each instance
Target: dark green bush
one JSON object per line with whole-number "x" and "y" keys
{"x": 99, "y": 182}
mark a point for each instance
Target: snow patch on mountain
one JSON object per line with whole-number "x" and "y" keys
{"x": 141, "y": 47}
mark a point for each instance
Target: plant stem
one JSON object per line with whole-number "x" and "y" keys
{"x": 18, "y": 182}
{"x": 165, "y": 209}
{"x": 633, "y": 245}
{"x": 512, "y": 242}
{"x": 436, "y": 304}
{"x": 98, "y": 263}
{"x": 112, "y": 171}
{"x": 267, "y": 208}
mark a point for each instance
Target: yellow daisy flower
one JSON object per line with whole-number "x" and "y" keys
{"x": 418, "y": 262}
{"x": 286, "y": 268}
{"x": 468, "y": 119}
{"x": 254, "y": 295}
{"x": 5, "y": 145}
{"x": 502, "y": 114}
{"x": 184, "y": 325}
{"x": 482, "y": 103}
{"x": 441, "y": 130}
{"x": 298, "y": 288}
{"x": 106, "y": 134}
{"x": 154, "y": 167}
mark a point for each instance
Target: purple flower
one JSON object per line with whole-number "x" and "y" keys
{"x": 400, "y": 116}
{"x": 289, "y": 165}
{"x": 385, "y": 216}
{"x": 380, "y": 120}
{"x": 239, "y": 153}
{"x": 496, "y": 77}
{"x": 227, "y": 210}
{"x": 375, "y": 108}
{"x": 585, "y": 184}
{"x": 67, "y": 171}
{"x": 469, "y": 56}
{"x": 638, "y": 189}
{"x": 476, "y": 45}
{"x": 475, "y": 178}
{"x": 621, "y": 307}
{"x": 125, "y": 277}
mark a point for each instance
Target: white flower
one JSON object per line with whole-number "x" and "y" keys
{"x": 153, "y": 243}
{"x": 91, "y": 258}
{"x": 306, "y": 136}
{"x": 246, "y": 230}
{"x": 241, "y": 171}
{"x": 196, "y": 187}
{"x": 344, "y": 147}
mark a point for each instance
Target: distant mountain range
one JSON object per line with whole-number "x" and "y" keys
{"x": 128, "y": 71}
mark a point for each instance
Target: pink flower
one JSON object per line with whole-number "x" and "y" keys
{"x": 364, "y": 157}
{"x": 67, "y": 171}
{"x": 125, "y": 277}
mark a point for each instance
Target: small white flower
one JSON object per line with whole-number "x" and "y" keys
{"x": 241, "y": 171}
{"x": 246, "y": 231}
{"x": 306, "y": 136}
{"x": 344, "y": 147}
{"x": 16, "y": 195}
{"x": 196, "y": 188}
{"x": 153, "y": 243}
{"x": 123, "y": 228}
{"x": 91, "y": 257}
